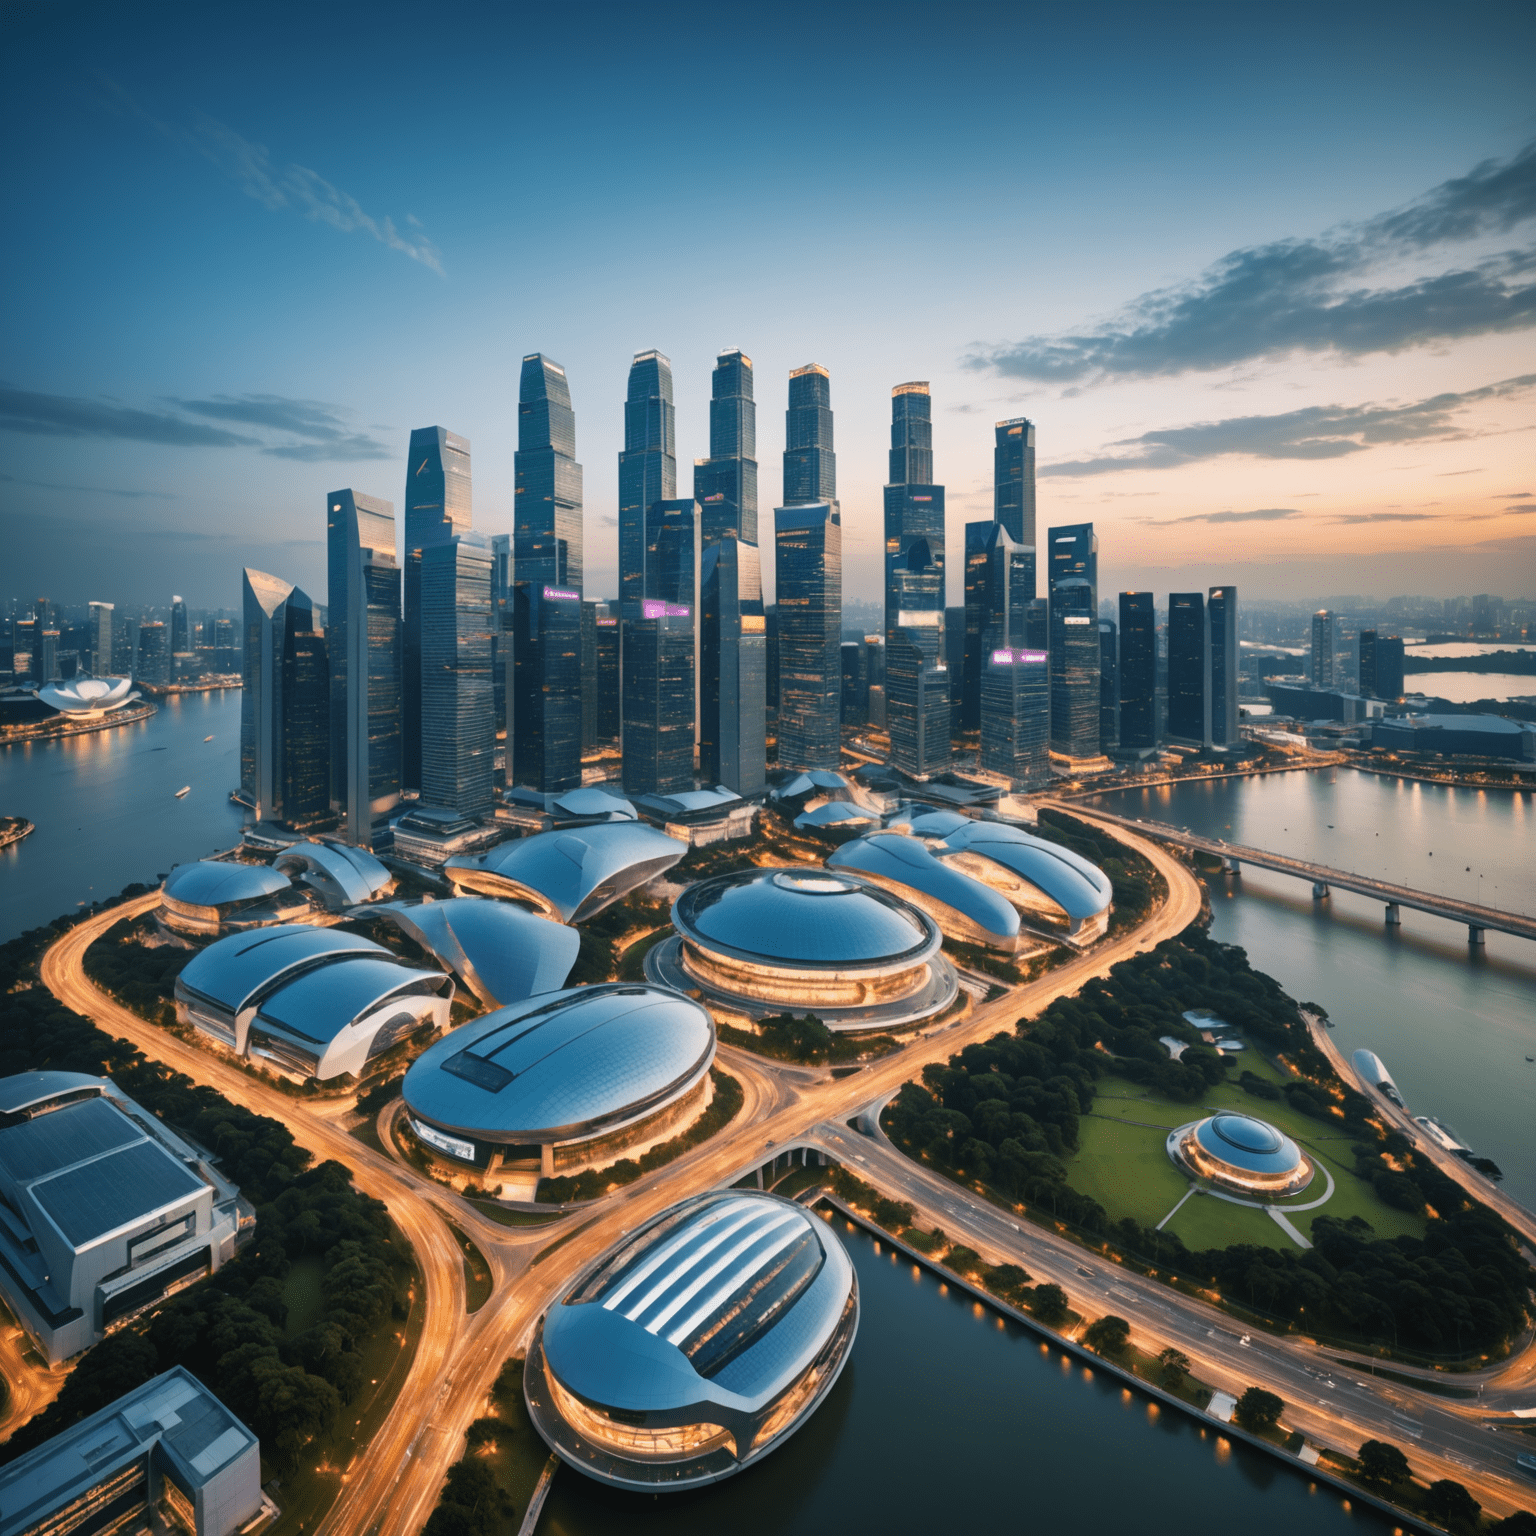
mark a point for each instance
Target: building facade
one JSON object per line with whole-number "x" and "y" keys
{"x": 1381, "y": 665}
{"x": 999, "y": 586}
{"x": 1016, "y": 716}
{"x": 454, "y": 618}
{"x": 544, "y": 689}
{"x": 810, "y": 463}
{"x": 1109, "y": 684}
{"x": 733, "y": 673}
{"x": 658, "y": 698}
{"x": 647, "y": 464}
{"x": 154, "y": 660}
{"x": 99, "y": 630}
{"x": 1225, "y": 666}
{"x": 1013, "y": 479}
{"x": 725, "y": 484}
{"x": 1073, "y": 574}
{"x": 1324, "y": 661}
{"x": 1189, "y": 643}
{"x": 808, "y": 563}
{"x": 1138, "y": 672}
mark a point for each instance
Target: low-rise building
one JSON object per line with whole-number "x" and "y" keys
{"x": 428, "y": 835}
{"x": 213, "y": 896}
{"x": 1457, "y": 736}
{"x": 700, "y": 817}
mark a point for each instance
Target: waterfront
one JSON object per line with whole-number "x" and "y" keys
{"x": 106, "y": 808}
{"x": 948, "y": 1418}
{"x": 1454, "y": 1026}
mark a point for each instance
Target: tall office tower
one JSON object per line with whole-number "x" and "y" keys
{"x": 99, "y": 650}
{"x": 874, "y": 679}
{"x": 49, "y": 652}
{"x": 305, "y": 772}
{"x": 23, "y": 643}
{"x": 438, "y": 504}
{"x": 1013, "y": 479}
{"x": 1016, "y": 716}
{"x": 771, "y": 623}
{"x": 855, "y": 684}
{"x": 544, "y": 689}
{"x": 810, "y": 465}
{"x": 610, "y": 704}
{"x": 1109, "y": 685}
{"x": 1138, "y": 672}
{"x": 1223, "y": 662}
{"x": 1324, "y": 671}
{"x": 674, "y": 559}
{"x": 954, "y": 659}
{"x": 1381, "y": 665}
{"x": 647, "y": 466}
{"x": 154, "y": 663}
{"x": 733, "y": 673}
{"x": 590, "y": 612}
{"x": 1037, "y": 624}
{"x": 501, "y": 635}
{"x": 999, "y": 586}
{"x": 547, "y": 525}
{"x": 1189, "y": 642}
{"x": 226, "y": 645}
{"x": 808, "y": 562}
{"x": 42, "y": 614}
{"x": 181, "y": 629}
{"x": 363, "y": 628}
{"x": 917, "y": 702}
{"x": 125, "y": 642}
{"x": 658, "y": 693}
{"x": 725, "y": 484}
{"x": 1073, "y": 574}
{"x": 458, "y": 703}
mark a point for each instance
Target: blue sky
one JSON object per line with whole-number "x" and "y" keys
{"x": 1261, "y": 274}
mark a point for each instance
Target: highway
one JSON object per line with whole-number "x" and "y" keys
{"x": 392, "y": 1485}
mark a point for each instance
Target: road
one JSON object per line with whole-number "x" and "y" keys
{"x": 393, "y": 1483}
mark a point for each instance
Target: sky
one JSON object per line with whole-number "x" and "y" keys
{"x": 1264, "y": 276}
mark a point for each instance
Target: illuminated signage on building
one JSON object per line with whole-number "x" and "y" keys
{"x": 1006, "y": 658}
{"x": 1076, "y": 618}
{"x": 569, "y": 597}
{"x": 653, "y": 608}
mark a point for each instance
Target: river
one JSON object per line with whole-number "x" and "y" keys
{"x": 948, "y": 1419}
{"x": 106, "y": 809}
{"x": 1454, "y": 1026}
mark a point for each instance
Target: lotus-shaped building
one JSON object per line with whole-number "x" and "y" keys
{"x": 87, "y": 698}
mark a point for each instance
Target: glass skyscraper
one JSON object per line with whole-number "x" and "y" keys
{"x": 363, "y": 627}
{"x": 181, "y": 628}
{"x": 458, "y": 705}
{"x": 1013, "y": 479}
{"x": 999, "y": 586}
{"x": 1138, "y": 672}
{"x": 1223, "y": 666}
{"x": 1381, "y": 665}
{"x": 1015, "y": 716}
{"x": 810, "y": 465}
{"x": 647, "y": 465}
{"x": 544, "y": 689}
{"x": 733, "y": 671}
{"x": 154, "y": 663}
{"x": 547, "y": 522}
{"x": 100, "y": 628}
{"x": 658, "y": 688}
{"x": 1324, "y": 658}
{"x": 808, "y": 563}
{"x": 1109, "y": 684}
{"x": 725, "y": 484}
{"x": 306, "y": 747}
{"x": 1189, "y": 642}
{"x": 438, "y": 505}
{"x": 1073, "y": 573}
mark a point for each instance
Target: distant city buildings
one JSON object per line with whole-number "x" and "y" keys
{"x": 1381, "y": 665}
{"x": 1324, "y": 671}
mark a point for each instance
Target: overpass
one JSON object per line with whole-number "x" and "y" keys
{"x": 1395, "y": 897}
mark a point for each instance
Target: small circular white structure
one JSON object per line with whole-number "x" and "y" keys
{"x": 766, "y": 941}
{"x": 1241, "y": 1154}
{"x": 87, "y": 698}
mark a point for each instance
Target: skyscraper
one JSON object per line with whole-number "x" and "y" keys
{"x": 544, "y": 689}
{"x": 674, "y": 557}
{"x": 610, "y": 712}
{"x": 725, "y": 484}
{"x": 647, "y": 464}
{"x": 1013, "y": 479}
{"x": 153, "y": 666}
{"x": 1189, "y": 642}
{"x": 438, "y": 504}
{"x": 458, "y": 705}
{"x": 1223, "y": 666}
{"x": 181, "y": 628}
{"x": 658, "y": 691}
{"x": 914, "y": 590}
{"x": 810, "y": 465}
{"x": 547, "y": 523}
{"x": 1109, "y": 684}
{"x": 100, "y": 651}
{"x": 733, "y": 671}
{"x": 305, "y": 754}
{"x": 1324, "y": 673}
{"x": 363, "y": 630}
{"x": 1073, "y": 573}
{"x": 808, "y": 562}
{"x": 1138, "y": 672}
{"x": 999, "y": 586}
{"x": 1381, "y": 665}
{"x": 1015, "y": 716}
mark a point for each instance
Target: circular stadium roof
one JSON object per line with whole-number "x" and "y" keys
{"x": 809, "y": 916}
{"x": 1255, "y": 1146}
{"x": 213, "y": 883}
{"x": 563, "y": 1065}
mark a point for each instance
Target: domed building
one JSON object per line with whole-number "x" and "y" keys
{"x": 696, "y": 1346}
{"x": 563, "y": 1079}
{"x": 809, "y": 939}
{"x": 88, "y": 698}
{"x": 214, "y": 896}
{"x": 1242, "y": 1155}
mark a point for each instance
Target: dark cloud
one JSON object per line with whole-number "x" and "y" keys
{"x": 74, "y": 416}
{"x": 1258, "y": 515}
{"x": 1315, "y": 432}
{"x": 332, "y": 440}
{"x": 1317, "y": 294}
{"x": 94, "y": 490}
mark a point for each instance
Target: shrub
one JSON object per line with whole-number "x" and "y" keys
{"x": 1258, "y": 1410}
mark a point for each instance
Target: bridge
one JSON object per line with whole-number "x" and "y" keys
{"x": 1395, "y": 897}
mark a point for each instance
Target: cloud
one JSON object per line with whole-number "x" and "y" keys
{"x": 1258, "y": 515}
{"x": 1315, "y": 432}
{"x": 75, "y": 416}
{"x": 1333, "y": 293}
{"x": 1389, "y": 517}
{"x": 332, "y": 439}
{"x": 249, "y": 165}
{"x": 95, "y": 490}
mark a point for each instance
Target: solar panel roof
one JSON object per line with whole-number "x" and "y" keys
{"x": 88, "y": 1201}
{"x": 64, "y": 1137}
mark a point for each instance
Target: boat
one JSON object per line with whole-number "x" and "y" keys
{"x": 207, "y": 738}
{"x": 184, "y": 791}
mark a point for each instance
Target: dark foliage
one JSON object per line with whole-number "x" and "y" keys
{"x": 1108, "y": 1334}
{"x": 1449, "y": 1504}
{"x": 472, "y": 1504}
{"x": 1384, "y": 1463}
{"x": 1258, "y": 1410}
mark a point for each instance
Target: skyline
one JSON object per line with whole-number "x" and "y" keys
{"x": 1329, "y": 371}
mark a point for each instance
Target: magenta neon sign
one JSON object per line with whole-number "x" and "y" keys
{"x": 1006, "y": 658}
{"x": 653, "y": 608}
{"x": 564, "y": 596}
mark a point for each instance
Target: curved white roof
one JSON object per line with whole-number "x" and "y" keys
{"x": 319, "y": 1004}
{"x": 830, "y": 812}
{"x": 344, "y": 876}
{"x": 572, "y": 873}
{"x": 592, "y": 801}
{"x": 213, "y": 883}
{"x": 502, "y": 953}
{"x": 809, "y": 782}
{"x": 563, "y": 1066}
{"x": 905, "y": 861}
{"x": 86, "y": 695}
{"x": 1080, "y": 889}
{"x": 25, "y": 1089}
{"x": 928, "y": 823}
{"x": 235, "y": 971}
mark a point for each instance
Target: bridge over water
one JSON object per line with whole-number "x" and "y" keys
{"x": 1323, "y": 878}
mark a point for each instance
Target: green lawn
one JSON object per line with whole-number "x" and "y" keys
{"x": 1126, "y": 1169}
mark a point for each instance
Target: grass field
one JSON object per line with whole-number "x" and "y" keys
{"x": 1125, "y": 1168}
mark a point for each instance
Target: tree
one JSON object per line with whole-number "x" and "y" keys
{"x": 485, "y": 1429}
{"x": 1174, "y": 1363}
{"x": 1521, "y": 1523}
{"x": 1382, "y": 1462}
{"x": 1449, "y": 1504}
{"x": 1258, "y": 1410}
{"x": 1049, "y": 1304}
{"x": 1008, "y": 1281}
{"x": 1108, "y": 1334}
